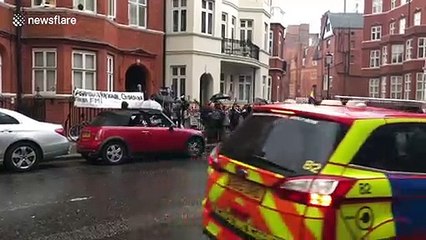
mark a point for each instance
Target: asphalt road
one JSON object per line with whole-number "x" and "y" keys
{"x": 71, "y": 200}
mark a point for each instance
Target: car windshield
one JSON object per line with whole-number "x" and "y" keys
{"x": 284, "y": 144}
{"x": 111, "y": 119}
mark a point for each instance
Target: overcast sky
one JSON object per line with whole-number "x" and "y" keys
{"x": 310, "y": 11}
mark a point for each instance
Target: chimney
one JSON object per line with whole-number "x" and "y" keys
{"x": 344, "y": 7}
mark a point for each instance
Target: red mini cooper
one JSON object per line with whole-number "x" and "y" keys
{"x": 115, "y": 136}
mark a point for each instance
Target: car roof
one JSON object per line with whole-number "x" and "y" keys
{"x": 343, "y": 114}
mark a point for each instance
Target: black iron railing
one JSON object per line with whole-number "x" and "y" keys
{"x": 240, "y": 48}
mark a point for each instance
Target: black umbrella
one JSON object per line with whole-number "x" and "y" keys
{"x": 220, "y": 96}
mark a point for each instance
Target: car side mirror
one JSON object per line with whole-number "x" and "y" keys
{"x": 171, "y": 128}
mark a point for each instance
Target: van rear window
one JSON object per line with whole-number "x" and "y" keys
{"x": 288, "y": 145}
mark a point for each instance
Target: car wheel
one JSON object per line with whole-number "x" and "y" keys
{"x": 195, "y": 147}
{"x": 22, "y": 157}
{"x": 114, "y": 153}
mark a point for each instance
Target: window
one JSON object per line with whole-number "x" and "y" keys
{"x": 179, "y": 15}
{"x": 244, "y": 88}
{"x": 393, "y": 4}
{"x": 417, "y": 18}
{"x": 271, "y": 42}
{"x": 207, "y": 16}
{"x": 1, "y": 75}
{"x": 384, "y": 55}
{"x": 157, "y": 120}
{"x": 374, "y": 86}
{"x": 396, "y": 87}
{"x": 179, "y": 80}
{"x": 224, "y": 25}
{"x": 85, "y": 5}
{"x": 392, "y": 28}
{"x": 233, "y": 22}
{"x": 264, "y": 93}
{"x": 375, "y": 58}
{"x": 397, "y": 53}
{"x": 376, "y": 32}
{"x": 84, "y": 70}
{"x": 137, "y": 13}
{"x": 231, "y": 85}
{"x": 377, "y": 6}
{"x": 42, "y": 3}
{"x": 269, "y": 89}
{"x": 421, "y": 53}
{"x": 280, "y": 50}
{"x": 44, "y": 70}
{"x": 420, "y": 87}
{"x": 266, "y": 35}
{"x": 282, "y": 145}
{"x": 246, "y": 30}
{"x": 112, "y": 8}
{"x": 395, "y": 147}
{"x": 383, "y": 87}
{"x": 326, "y": 82}
{"x": 110, "y": 73}
{"x": 6, "y": 119}
{"x": 407, "y": 85}
{"x": 409, "y": 49}
{"x": 402, "y": 25}
{"x": 222, "y": 83}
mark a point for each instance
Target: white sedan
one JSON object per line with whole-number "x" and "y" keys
{"x": 25, "y": 142}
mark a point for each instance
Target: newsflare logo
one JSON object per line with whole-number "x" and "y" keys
{"x": 19, "y": 20}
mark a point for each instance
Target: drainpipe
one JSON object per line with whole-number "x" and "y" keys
{"x": 18, "y": 55}
{"x": 164, "y": 43}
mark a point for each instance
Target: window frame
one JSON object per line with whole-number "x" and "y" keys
{"x": 407, "y": 85}
{"x": 376, "y": 33}
{"x": 374, "y": 87}
{"x": 112, "y": 9}
{"x": 383, "y": 86}
{"x": 246, "y": 29}
{"x": 206, "y": 11}
{"x": 247, "y": 81}
{"x": 377, "y": 6}
{"x": 179, "y": 77}
{"x": 420, "y": 86}
{"x": 421, "y": 48}
{"x": 397, "y": 57}
{"x": 45, "y": 69}
{"x": 138, "y": 4}
{"x": 396, "y": 85}
{"x": 385, "y": 55}
{"x": 409, "y": 49}
{"x": 95, "y": 3}
{"x": 375, "y": 58}
{"x": 392, "y": 28}
{"x": 84, "y": 70}
{"x": 180, "y": 9}
{"x": 52, "y": 3}
{"x": 110, "y": 73}
{"x": 417, "y": 18}
{"x": 402, "y": 25}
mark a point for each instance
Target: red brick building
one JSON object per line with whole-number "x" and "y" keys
{"x": 277, "y": 64}
{"x": 110, "y": 47}
{"x": 299, "y": 52}
{"x": 341, "y": 36}
{"x": 394, "y": 48}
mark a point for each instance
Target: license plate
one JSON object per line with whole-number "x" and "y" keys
{"x": 245, "y": 227}
{"x": 247, "y": 188}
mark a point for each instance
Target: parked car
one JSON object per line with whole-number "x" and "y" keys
{"x": 25, "y": 142}
{"x": 115, "y": 136}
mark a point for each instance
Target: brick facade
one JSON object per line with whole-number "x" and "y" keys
{"x": 96, "y": 33}
{"x": 277, "y": 64}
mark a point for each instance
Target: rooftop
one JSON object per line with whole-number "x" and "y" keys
{"x": 346, "y": 20}
{"x": 344, "y": 114}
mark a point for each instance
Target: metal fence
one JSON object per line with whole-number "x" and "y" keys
{"x": 33, "y": 107}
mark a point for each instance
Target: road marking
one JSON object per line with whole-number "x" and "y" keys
{"x": 79, "y": 199}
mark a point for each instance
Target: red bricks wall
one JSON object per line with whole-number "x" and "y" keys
{"x": 276, "y": 64}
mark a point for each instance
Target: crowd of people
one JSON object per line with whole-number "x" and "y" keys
{"x": 216, "y": 118}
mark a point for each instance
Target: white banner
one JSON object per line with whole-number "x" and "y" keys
{"x": 99, "y": 99}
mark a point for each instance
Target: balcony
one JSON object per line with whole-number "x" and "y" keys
{"x": 240, "y": 48}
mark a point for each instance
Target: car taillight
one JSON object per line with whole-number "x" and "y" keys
{"x": 60, "y": 131}
{"x": 214, "y": 158}
{"x": 324, "y": 192}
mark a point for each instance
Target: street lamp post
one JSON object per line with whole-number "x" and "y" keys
{"x": 328, "y": 62}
